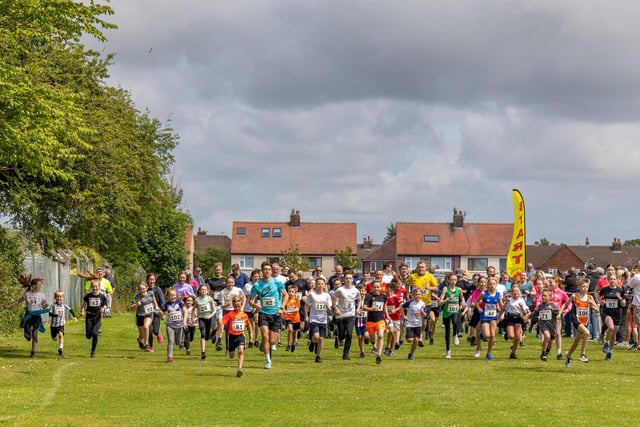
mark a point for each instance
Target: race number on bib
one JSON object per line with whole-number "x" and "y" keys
{"x": 320, "y": 306}
{"x": 237, "y": 325}
{"x": 378, "y": 305}
{"x": 454, "y": 308}
{"x": 269, "y": 301}
{"x": 94, "y": 302}
{"x": 611, "y": 303}
{"x": 148, "y": 308}
{"x": 545, "y": 315}
{"x": 490, "y": 310}
{"x": 175, "y": 316}
{"x": 582, "y": 312}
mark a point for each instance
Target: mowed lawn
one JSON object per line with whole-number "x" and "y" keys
{"x": 126, "y": 386}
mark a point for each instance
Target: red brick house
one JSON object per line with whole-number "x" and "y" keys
{"x": 445, "y": 246}
{"x": 255, "y": 242}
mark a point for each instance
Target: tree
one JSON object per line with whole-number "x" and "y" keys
{"x": 291, "y": 257}
{"x": 633, "y": 242}
{"x": 347, "y": 259}
{"x": 391, "y": 232}
{"x": 544, "y": 242}
{"x": 11, "y": 265}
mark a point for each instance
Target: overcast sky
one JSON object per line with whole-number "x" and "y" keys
{"x": 375, "y": 112}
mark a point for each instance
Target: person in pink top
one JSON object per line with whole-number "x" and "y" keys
{"x": 559, "y": 297}
{"x": 474, "y": 317}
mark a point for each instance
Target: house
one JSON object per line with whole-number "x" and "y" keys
{"x": 553, "y": 259}
{"x": 445, "y": 247}
{"x": 203, "y": 241}
{"x": 255, "y": 242}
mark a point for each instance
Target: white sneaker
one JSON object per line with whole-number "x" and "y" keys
{"x": 448, "y": 354}
{"x": 273, "y": 348}
{"x": 456, "y": 340}
{"x": 477, "y": 354}
{"x": 622, "y": 344}
{"x": 583, "y": 358}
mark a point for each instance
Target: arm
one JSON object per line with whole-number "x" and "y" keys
{"x": 16, "y": 302}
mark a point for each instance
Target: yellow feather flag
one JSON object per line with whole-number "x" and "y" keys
{"x": 516, "y": 257}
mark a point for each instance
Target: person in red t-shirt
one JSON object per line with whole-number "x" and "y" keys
{"x": 235, "y": 322}
{"x": 394, "y": 302}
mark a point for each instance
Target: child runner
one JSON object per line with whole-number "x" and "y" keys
{"x": 414, "y": 311}
{"x": 516, "y": 312}
{"x": 93, "y": 306}
{"x": 206, "y": 310}
{"x": 361, "y": 320}
{"x": 375, "y": 304}
{"x": 395, "y": 314}
{"x": 175, "y": 313}
{"x": 547, "y": 314}
{"x": 35, "y": 306}
{"x": 452, "y": 303}
{"x": 493, "y": 306}
{"x": 318, "y": 306}
{"x": 253, "y": 316}
{"x": 154, "y": 328}
{"x": 583, "y": 303}
{"x": 476, "y": 312}
{"x": 235, "y": 322}
{"x": 613, "y": 300}
{"x": 226, "y": 299}
{"x": 345, "y": 304}
{"x": 191, "y": 320}
{"x": 145, "y": 304}
{"x": 57, "y": 317}
{"x": 292, "y": 319}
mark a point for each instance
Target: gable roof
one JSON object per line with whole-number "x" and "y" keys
{"x": 469, "y": 240}
{"x": 628, "y": 256}
{"x": 384, "y": 252}
{"x": 202, "y": 242}
{"x": 311, "y": 238}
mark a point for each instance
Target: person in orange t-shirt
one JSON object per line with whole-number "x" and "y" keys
{"x": 235, "y": 322}
{"x": 292, "y": 318}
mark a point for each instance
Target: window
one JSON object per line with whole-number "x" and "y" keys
{"x": 432, "y": 238}
{"x": 314, "y": 262}
{"x": 273, "y": 259}
{"x": 264, "y": 232}
{"x": 411, "y": 261}
{"x": 246, "y": 262}
{"x": 241, "y": 230}
{"x": 375, "y": 265}
{"x": 441, "y": 263}
{"x": 276, "y": 232}
{"x": 477, "y": 264}
{"x": 503, "y": 264}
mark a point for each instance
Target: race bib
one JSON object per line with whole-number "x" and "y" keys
{"x": 320, "y": 306}
{"x": 148, "y": 308}
{"x": 582, "y": 312}
{"x": 175, "y": 316}
{"x": 545, "y": 315}
{"x": 435, "y": 303}
{"x": 32, "y": 301}
{"x": 237, "y": 325}
{"x": 490, "y": 310}
{"x": 378, "y": 305}
{"x": 348, "y": 304}
{"x": 454, "y": 308}
{"x": 269, "y": 301}
{"x": 204, "y": 308}
{"x": 299, "y": 296}
{"x": 611, "y": 303}
{"x": 290, "y": 309}
{"x": 60, "y": 311}
{"x": 362, "y": 314}
{"x": 94, "y": 302}
{"x": 216, "y": 295}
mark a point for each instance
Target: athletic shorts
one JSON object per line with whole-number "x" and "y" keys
{"x": 235, "y": 341}
{"x": 320, "y": 328}
{"x": 273, "y": 321}
{"x": 412, "y": 332}
{"x": 295, "y": 326}
{"x": 205, "y": 328}
{"x": 373, "y": 327}
{"x": 140, "y": 320}
{"x": 55, "y": 330}
{"x": 635, "y": 315}
{"x": 360, "y": 330}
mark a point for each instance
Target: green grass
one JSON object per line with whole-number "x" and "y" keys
{"x": 125, "y": 386}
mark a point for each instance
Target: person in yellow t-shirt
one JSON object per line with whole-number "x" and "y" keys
{"x": 425, "y": 281}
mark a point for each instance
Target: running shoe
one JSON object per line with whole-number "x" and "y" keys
{"x": 239, "y": 372}
{"x": 362, "y": 355}
{"x": 169, "y": 359}
{"x": 456, "y": 340}
{"x": 288, "y": 348}
{"x": 513, "y": 356}
{"x": 267, "y": 365}
{"x": 93, "y": 354}
{"x": 160, "y": 339}
{"x": 583, "y": 358}
{"x": 608, "y": 357}
{"x": 543, "y": 356}
{"x": 203, "y": 355}
{"x": 477, "y": 354}
{"x": 447, "y": 354}
{"x": 411, "y": 357}
{"x": 420, "y": 343}
{"x": 567, "y": 362}
{"x": 489, "y": 356}
{"x": 378, "y": 360}
{"x": 318, "y": 359}
{"x": 60, "y": 351}
{"x": 559, "y": 356}
{"x": 293, "y": 347}
{"x": 605, "y": 348}
{"x": 140, "y": 343}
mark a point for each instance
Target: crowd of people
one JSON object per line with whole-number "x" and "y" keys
{"x": 237, "y": 310}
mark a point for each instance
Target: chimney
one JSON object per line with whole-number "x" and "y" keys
{"x": 616, "y": 246}
{"x": 458, "y": 219}
{"x": 586, "y": 242}
{"x": 201, "y": 231}
{"x": 366, "y": 243}
{"x": 294, "y": 218}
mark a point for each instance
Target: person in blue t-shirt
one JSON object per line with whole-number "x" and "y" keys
{"x": 268, "y": 298}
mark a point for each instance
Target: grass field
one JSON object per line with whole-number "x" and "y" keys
{"x": 125, "y": 386}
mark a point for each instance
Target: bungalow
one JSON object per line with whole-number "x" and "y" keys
{"x": 256, "y": 242}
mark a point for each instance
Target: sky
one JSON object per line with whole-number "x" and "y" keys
{"x": 378, "y": 112}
